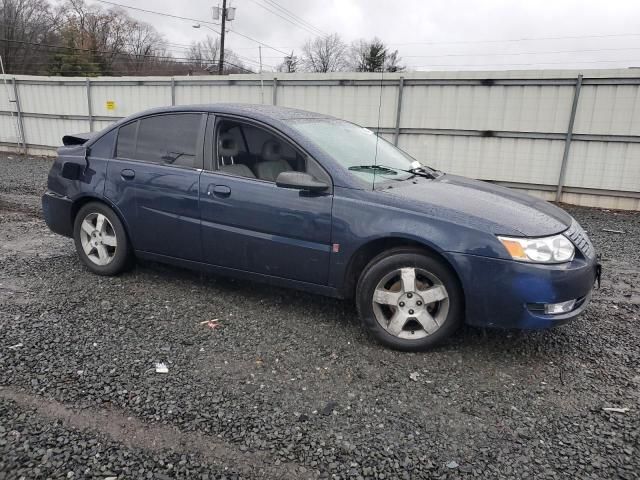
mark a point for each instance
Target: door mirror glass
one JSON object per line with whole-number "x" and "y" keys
{"x": 300, "y": 181}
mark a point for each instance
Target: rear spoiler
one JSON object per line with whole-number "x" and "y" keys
{"x": 77, "y": 139}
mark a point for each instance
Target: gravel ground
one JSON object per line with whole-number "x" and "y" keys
{"x": 289, "y": 386}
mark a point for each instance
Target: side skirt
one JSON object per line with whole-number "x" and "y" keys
{"x": 241, "y": 274}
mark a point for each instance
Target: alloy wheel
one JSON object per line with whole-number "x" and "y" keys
{"x": 410, "y": 303}
{"x": 98, "y": 239}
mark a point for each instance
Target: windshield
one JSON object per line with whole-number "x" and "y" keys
{"x": 354, "y": 148}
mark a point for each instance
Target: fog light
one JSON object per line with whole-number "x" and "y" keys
{"x": 562, "y": 307}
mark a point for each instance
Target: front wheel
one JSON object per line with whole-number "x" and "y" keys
{"x": 409, "y": 300}
{"x": 100, "y": 238}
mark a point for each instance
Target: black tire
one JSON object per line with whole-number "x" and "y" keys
{"x": 121, "y": 258}
{"x": 384, "y": 265}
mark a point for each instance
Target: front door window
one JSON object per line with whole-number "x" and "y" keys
{"x": 248, "y": 151}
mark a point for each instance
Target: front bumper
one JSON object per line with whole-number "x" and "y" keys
{"x": 57, "y": 213}
{"x": 507, "y": 294}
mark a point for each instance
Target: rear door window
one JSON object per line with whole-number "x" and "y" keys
{"x": 169, "y": 139}
{"x": 165, "y": 139}
{"x": 126, "y": 147}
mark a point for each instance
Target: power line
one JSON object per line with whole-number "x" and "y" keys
{"x": 193, "y": 20}
{"x": 522, "y": 53}
{"x": 523, "y": 39}
{"x": 104, "y": 52}
{"x": 492, "y": 54}
{"x": 127, "y": 55}
{"x": 234, "y": 48}
{"x": 293, "y": 15}
{"x": 522, "y": 64}
{"x": 176, "y": 46}
{"x": 247, "y": 59}
{"x": 291, "y": 21}
{"x": 157, "y": 13}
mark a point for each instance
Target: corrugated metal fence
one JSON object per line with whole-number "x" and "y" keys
{"x": 569, "y": 135}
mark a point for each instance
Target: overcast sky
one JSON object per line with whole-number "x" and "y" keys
{"x": 429, "y": 34}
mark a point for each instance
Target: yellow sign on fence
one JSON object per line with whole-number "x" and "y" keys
{"x": 111, "y": 105}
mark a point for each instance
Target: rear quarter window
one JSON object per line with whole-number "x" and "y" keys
{"x": 103, "y": 148}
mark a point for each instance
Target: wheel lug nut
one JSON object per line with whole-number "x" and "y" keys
{"x": 409, "y": 295}
{"x": 401, "y": 304}
{"x": 418, "y": 303}
{"x": 410, "y": 312}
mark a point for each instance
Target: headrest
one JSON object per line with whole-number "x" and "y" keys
{"x": 227, "y": 146}
{"x": 271, "y": 151}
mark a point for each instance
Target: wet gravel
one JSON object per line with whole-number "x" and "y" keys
{"x": 288, "y": 385}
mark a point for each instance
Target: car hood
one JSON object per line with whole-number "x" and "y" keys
{"x": 484, "y": 205}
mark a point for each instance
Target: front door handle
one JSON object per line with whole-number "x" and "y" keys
{"x": 128, "y": 174}
{"x": 218, "y": 190}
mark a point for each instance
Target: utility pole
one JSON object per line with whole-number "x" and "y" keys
{"x": 261, "y": 79}
{"x": 16, "y": 125}
{"x": 224, "y": 19}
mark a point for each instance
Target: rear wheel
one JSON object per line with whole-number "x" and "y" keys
{"x": 409, "y": 300}
{"x": 100, "y": 238}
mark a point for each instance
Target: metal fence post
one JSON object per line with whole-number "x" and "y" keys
{"x": 274, "y": 100}
{"x": 567, "y": 142}
{"x": 19, "y": 114}
{"x": 89, "y": 107}
{"x": 173, "y": 91}
{"x": 398, "y": 111}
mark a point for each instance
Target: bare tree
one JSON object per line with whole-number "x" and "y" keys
{"x": 204, "y": 55}
{"x": 233, "y": 64}
{"x": 324, "y": 54}
{"x": 357, "y": 55}
{"x": 101, "y": 34}
{"x": 144, "y": 45}
{"x": 109, "y": 40}
{"x": 289, "y": 64}
{"x": 76, "y": 38}
{"x": 28, "y": 30}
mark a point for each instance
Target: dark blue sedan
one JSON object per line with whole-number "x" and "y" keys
{"x": 308, "y": 201}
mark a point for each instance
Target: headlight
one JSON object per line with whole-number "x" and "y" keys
{"x": 555, "y": 249}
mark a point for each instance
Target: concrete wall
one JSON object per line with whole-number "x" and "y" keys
{"x": 507, "y": 126}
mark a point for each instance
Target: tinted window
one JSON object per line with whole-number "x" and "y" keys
{"x": 127, "y": 141}
{"x": 169, "y": 139}
{"x": 103, "y": 148}
{"x": 249, "y": 151}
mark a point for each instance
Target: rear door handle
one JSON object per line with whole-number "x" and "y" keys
{"x": 218, "y": 190}
{"x": 128, "y": 174}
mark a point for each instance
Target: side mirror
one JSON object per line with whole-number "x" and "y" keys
{"x": 300, "y": 181}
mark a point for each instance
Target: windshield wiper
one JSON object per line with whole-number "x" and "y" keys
{"x": 378, "y": 168}
{"x": 386, "y": 170}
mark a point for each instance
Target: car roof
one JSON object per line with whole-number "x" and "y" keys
{"x": 256, "y": 111}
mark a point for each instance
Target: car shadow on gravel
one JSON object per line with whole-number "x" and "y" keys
{"x": 342, "y": 313}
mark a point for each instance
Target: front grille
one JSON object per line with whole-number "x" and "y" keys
{"x": 580, "y": 239}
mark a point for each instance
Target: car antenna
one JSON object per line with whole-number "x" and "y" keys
{"x": 375, "y": 158}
